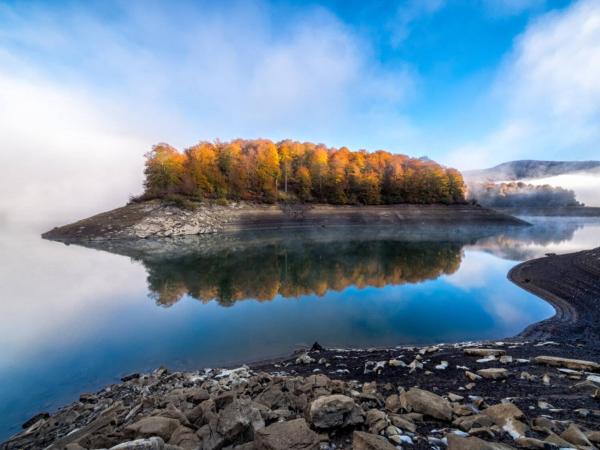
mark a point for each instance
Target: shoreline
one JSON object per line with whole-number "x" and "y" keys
{"x": 154, "y": 219}
{"x": 553, "y": 400}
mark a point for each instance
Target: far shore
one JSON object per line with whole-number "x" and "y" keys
{"x": 539, "y": 389}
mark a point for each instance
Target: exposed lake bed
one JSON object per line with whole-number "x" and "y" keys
{"x": 382, "y": 292}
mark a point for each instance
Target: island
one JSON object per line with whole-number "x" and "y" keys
{"x": 261, "y": 185}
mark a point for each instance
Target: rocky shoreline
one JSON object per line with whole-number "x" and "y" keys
{"x": 156, "y": 219}
{"x": 539, "y": 390}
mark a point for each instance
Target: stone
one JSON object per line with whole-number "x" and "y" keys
{"x": 153, "y": 443}
{"x": 493, "y": 373}
{"x": 185, "y": 438}
{"x": 473, "y": 443}
{"x": 576, "y": 364}
{"x": 368, "y": 441}
{"x": 154, "y": 426}
{"x": 376, "y": 420}
{"x": 392, "y": 403}
{"x": 472, "y": 376}
{"x": 501, "y": 412}
{"x": 427, "y": 403}
{"x": 575, "y": 436}
{"x": 476, "y": 421}
{"x": 531, "y": 443}
{"x": 402, "y": 423}
{"x": 332, "y": 411}
{"x": 240, "y": 418}
{"x": 454, "y": 397}
{"x": 484, "y": 352}
{"x": 294, "y": 434}
{"x": 305, "y": 358}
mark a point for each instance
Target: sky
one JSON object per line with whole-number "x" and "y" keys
{"x": 86, "y": 88}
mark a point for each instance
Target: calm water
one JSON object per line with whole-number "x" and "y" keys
{"x": 73, "y": 319}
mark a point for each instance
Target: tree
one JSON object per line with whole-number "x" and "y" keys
{"x": 164, "y": 170}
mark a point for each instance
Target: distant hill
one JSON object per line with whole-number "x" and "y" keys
{"x": 528, "y": 169}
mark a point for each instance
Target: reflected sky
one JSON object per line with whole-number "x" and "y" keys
{"x": 74, "y": 319}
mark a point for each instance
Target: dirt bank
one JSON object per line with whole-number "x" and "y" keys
{"x": 571, "y": 283}
{"x": 155, "y": 219}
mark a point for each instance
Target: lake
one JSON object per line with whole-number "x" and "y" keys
{"x": 74, "y": 319}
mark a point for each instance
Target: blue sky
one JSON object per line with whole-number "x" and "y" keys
{"x": 469, "y": 83}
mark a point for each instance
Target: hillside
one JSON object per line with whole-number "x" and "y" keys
{"x": 529, "y": 169}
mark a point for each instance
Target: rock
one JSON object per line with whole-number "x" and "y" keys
{"x": 506, "y": 359}
{"x": 370, "y": 388}
{"x": 472, "y": 376}
{"x": 402, "y": 423}
{"x": 396, "y": 363}
{"x": 376, "y": 420}
{"x": 594, "y": 436}
{"x": 531, "y": 443}
{"x": 507, "y": 415}
{"x": 153, "y": 443}
{"x": 454, "y": 397}
{"x": 185, "y": 438}
{"x": 427, "y": 403}
{"x": 35, "y": 419}
{"x": 484, "y": 352}
{"x": 442, "y": 365}
{"x": 476, "y": 421}
{"x": 392, "y": 403}
{"x": 473, "y": 443}
{"x": 294, "y": 434}
{"x": 493, "y": 373}
{"x": 501, "y": 412}
{"x": 154, "y": 426}
{"x": 575, "y": 436}
{"x": 304, "y": 359}
{"x": 368, "y": 441}
{"x": 334, "y": 411}
{"x": 557, "y": 441}
{"x": 577, "y": 364}
{"x": 240, "y": 418}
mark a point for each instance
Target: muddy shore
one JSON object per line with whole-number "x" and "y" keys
{"x": 540, "y": 389}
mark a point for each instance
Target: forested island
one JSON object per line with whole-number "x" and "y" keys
{"x": 261, "y": 185}
{"x": 264, "y": 171}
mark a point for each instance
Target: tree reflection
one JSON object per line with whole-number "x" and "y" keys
{"x": 292, "y": 269}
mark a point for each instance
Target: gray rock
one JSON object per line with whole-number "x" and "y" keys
{"x": 493, "y": 373}
{"x": 427, "y": 403}
{"x": 368, "y": 441}
{"x": 332, "y": 411}
{"x": 240, "y": 417}
{"x": 294, "y": 434}
{"x": 154, "y": 426}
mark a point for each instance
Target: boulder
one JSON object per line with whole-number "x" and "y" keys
{"x": 368, "y": 441}
{"x": 154, "y": 426}
{"x": 493, "y": 373}
{"x": 501, "y": 412}
{"x": 427, "y": 403}
{"x": 332, "y": 411}
{"x": 185, "y": 438}
{"x": 240, "y": 417}
{"x": 294, "y": 434}
{"x": 472, "y": 443}
{"x": 576, "y": 364}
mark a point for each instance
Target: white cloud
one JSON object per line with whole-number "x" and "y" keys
{"x": 79, "y": 109}
{"x": 547, "y": 91}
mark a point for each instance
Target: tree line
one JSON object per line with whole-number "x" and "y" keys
{"x": 265, "y": 171}
{"x": 519, "y": 194}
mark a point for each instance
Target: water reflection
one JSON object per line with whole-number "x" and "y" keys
{"x": 296, "y": 268}
{"x": 75, "y": 319}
